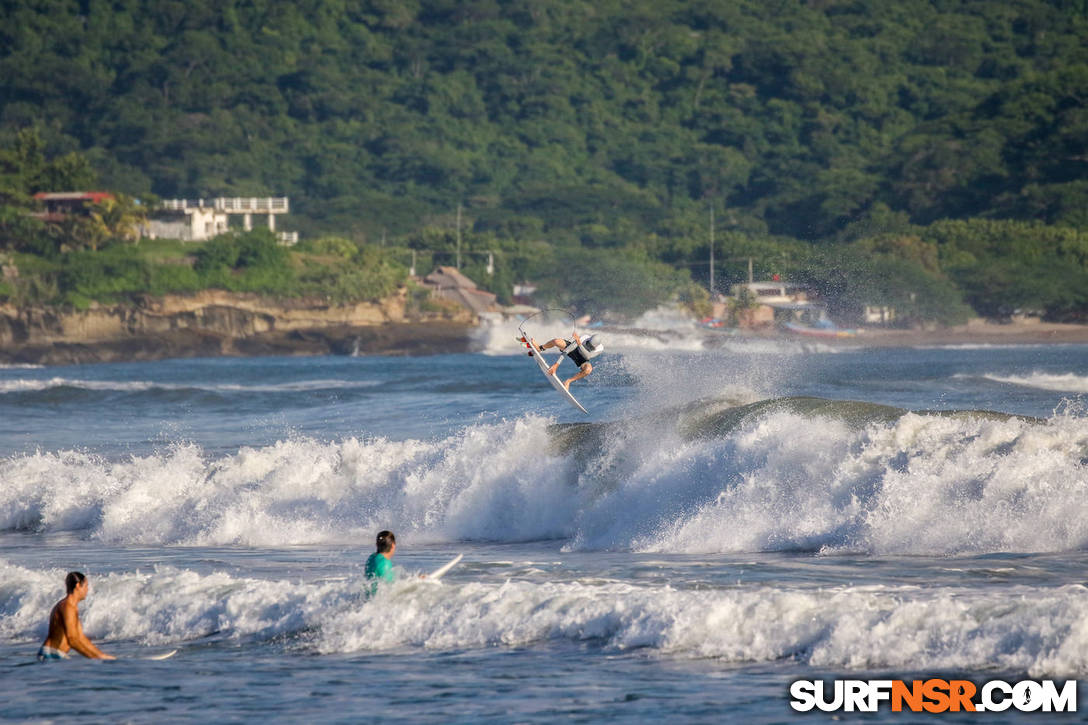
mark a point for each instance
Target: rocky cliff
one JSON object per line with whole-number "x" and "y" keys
{"x": 214, "y": 323}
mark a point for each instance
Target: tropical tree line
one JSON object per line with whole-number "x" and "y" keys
{"x": 927, "y": 154}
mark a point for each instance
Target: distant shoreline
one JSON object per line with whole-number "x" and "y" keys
{"x": 975, "y": 333}
{"x": 428, "y": 337}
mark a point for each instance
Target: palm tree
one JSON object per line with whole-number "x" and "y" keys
{"x": 120, "y": 217}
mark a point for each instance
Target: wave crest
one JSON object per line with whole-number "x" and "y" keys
{"x": 789, "y": 474}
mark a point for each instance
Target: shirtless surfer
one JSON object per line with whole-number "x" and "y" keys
{"x": 580, "y": 353}
{"x": 65, "y": 631}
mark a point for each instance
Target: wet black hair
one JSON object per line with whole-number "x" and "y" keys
{"x": 386, "y": 541}
{"x": 73, "y": 580}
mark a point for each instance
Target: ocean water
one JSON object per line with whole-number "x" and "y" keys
{"x": 729, "y": 518}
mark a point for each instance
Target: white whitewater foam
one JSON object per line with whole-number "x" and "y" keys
{"x": 1066, "y": 383}
{"x": 497, "y": 336}
{"x": 981, "y": 346}
{"x": 35, "y": 385}
{"x": 924, "y": 484}
{"x": 299, "y": 491}
{"x": 19, "y": 386}
{"x": 1040, "y": 631}
{"x": 165, "y": 606}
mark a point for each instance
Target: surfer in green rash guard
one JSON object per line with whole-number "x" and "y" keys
{"x": 378, "y": 566}
{"x": 580, "y": 353}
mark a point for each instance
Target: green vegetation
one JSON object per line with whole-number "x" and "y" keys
{"x": 240, "y": 262}
{"x": 924, "y": 154}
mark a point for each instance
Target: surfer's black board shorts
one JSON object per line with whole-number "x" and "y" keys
{"x": 577, "y": 358}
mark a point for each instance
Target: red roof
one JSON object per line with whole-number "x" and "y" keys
{"x": 94, "y": 197}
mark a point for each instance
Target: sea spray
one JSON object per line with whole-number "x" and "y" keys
{"x": 659, "y": 329}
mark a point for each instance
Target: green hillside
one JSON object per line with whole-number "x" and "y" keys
{"x": 876, "y": 149}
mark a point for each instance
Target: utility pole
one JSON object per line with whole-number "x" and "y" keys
{"x": 712, "y": 251}
{"x": 750, "y": 278}
{"x": 458, "y": 235}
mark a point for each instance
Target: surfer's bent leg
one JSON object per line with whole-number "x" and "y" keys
{"x": 587, "y": 368}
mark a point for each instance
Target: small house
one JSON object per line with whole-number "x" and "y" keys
{"x": 449, "y": 284}
{"x": 62, "y": 204}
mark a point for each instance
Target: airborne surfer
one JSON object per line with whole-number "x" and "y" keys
{"x": 579, "y": 351}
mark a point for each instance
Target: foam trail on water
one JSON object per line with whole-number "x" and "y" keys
{"x": 21, "y": 386}
{"x": 1068, "y": 382}
{"x": 1039, "y": 631}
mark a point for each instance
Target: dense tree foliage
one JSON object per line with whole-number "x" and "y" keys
{"x": 595, "y": 125}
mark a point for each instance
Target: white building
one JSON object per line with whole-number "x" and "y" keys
{"x": 773, "y": 291}
{"x": 194, "y": 220}
{"x": 192, "y": 224}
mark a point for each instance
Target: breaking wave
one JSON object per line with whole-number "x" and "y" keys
{"x": 723, "y": 475}
{"x": 1037, "y": 630}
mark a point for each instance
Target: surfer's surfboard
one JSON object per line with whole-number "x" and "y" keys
{"x": 437, "y": 573}
{"x": 556, "y": 382}
{"x": 161, "y": 655}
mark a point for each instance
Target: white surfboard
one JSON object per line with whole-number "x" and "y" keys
{"x": 556, "y": 382}
{"x": 161, "y": 655}
{"x": 437, "y": 573}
